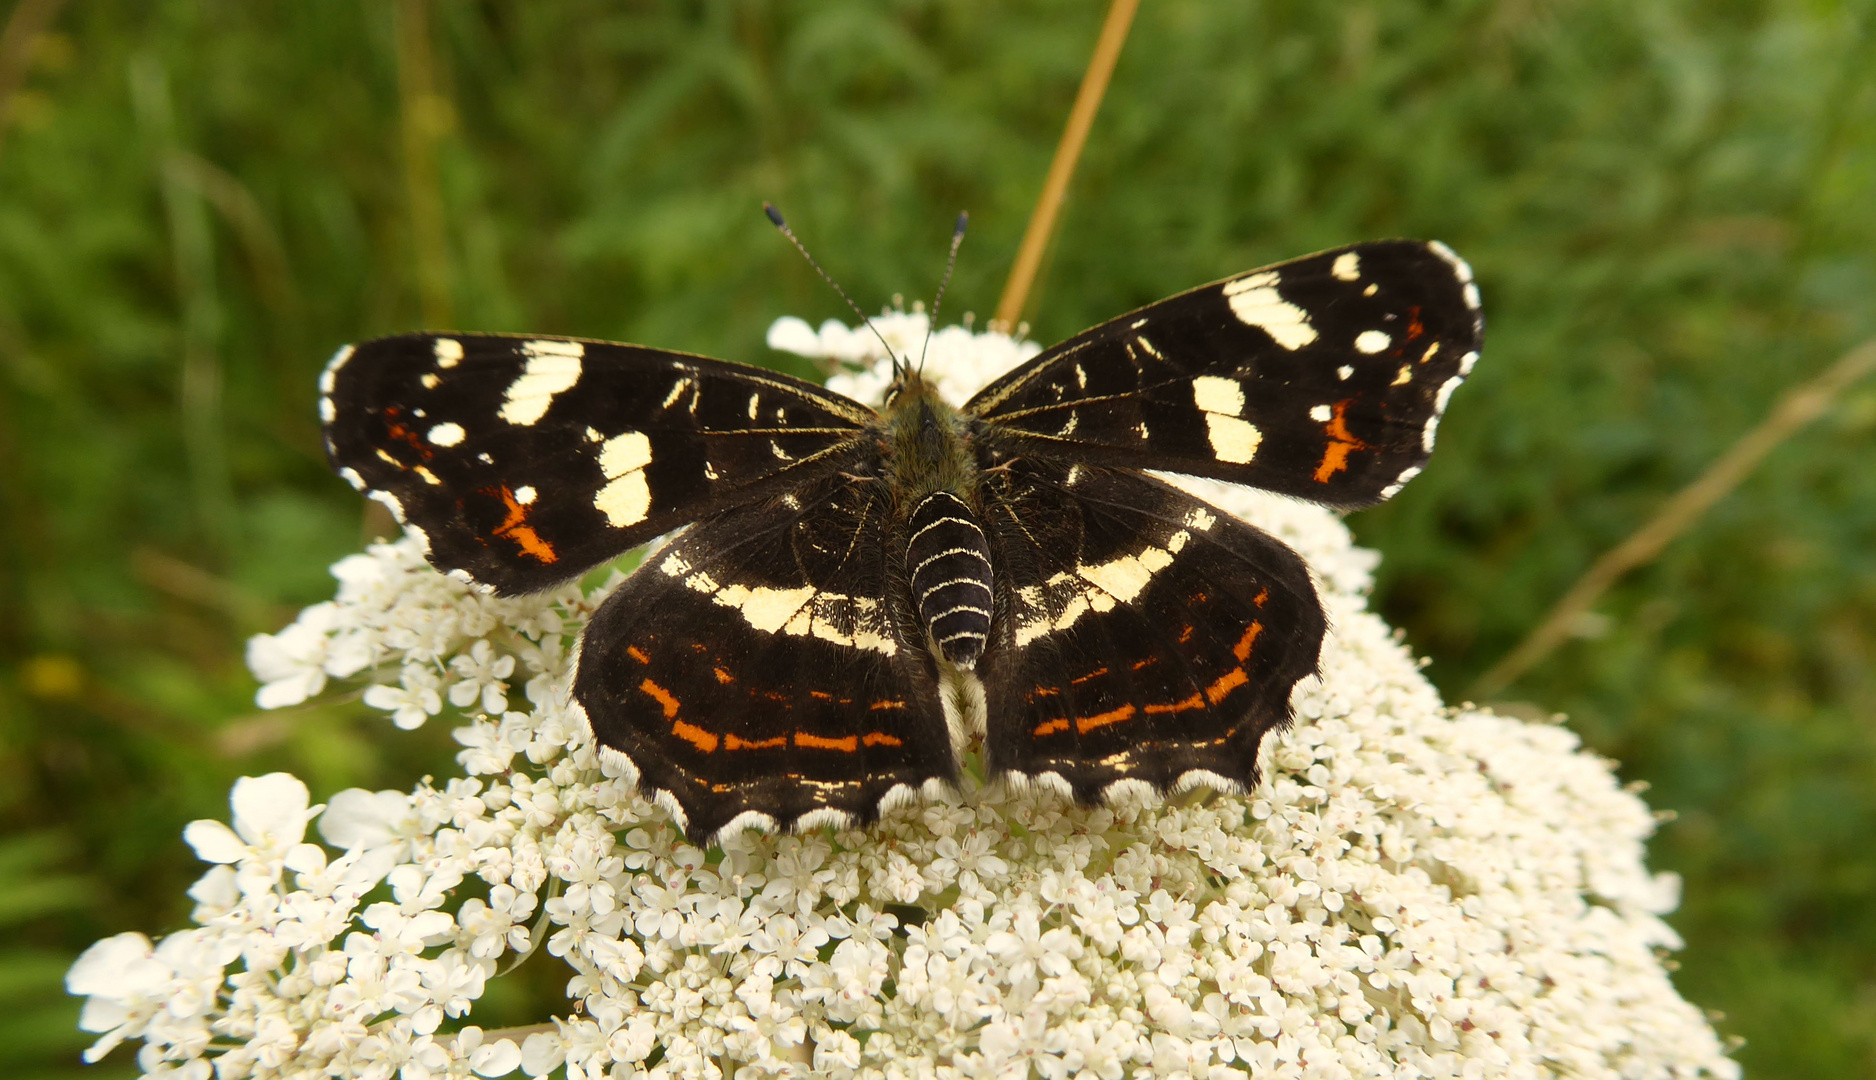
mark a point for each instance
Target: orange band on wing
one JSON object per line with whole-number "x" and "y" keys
{"x": 1085, "y": 724}
{"x": 661, "y": 696}
{"x": 696, "y": 736}
{"x": 1230, "y": 681}
{"x": 816, "y": 742}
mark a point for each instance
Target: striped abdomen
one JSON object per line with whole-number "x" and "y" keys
{"x": 950, "y": 564}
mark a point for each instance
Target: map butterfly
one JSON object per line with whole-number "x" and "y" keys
{"x": 862, "y": 594}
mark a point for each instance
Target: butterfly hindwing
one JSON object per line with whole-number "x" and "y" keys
{"x": 1322, "y": 378}
{"x": 1141, "y": 634}
{"x": 525, "y": 461}
{"x": 765, "y": 663}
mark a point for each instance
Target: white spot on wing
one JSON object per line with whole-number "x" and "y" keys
{"x": 326, "y": 411}
{"x": 1347, "y": 267}
{"x": 1403, "y": 376}
{"x": 1232, "y": 439}
{"x": 448, "y": 352}
{"x": 1372, "y": 341}
{"x": 1446, "y": 393}
{"x": 552, "y": 368}
{"x": 625, "y": 501}
{"x": 350, "y": 476}
{"x": 1344, "y": 372}
{"x": 763, "y": 608}
{"x": 1254, "y": 300}
{"x": 624, "y": 453}
{"x": 525, "y": 495}
{"x": 1400, "y": 481}
{"x": 1319, "y": 413}
{"x": 429, "y": 381}
{"x": 329, "y": 377}
{"x": 1466, "y": 362}
{"x": 446, "y": 434}
{"x": 1218, "y": 395}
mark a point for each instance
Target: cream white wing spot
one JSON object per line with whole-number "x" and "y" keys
{"x": 1403, "y": 376}
{"x": 1400, "y": 481}
{"x": 448, "y": 352}
{"x": 429, "y": 381}
{"x": 446, "y": 434}
{"x": 1214, "y": 394}
{"x": 1344, "y": 372}
{"x": 1255, "y": 301}
{"x": 552, "y": 368}
{"x": 1371, "y": 289}
{"x": 1466, "y": 362}
{"x": 525, "y": 495}
{"x": 326, "y": 410}
{"x": 1232, "y": 440}
{"x": 1061, "y": 601}
{"x": 1347, "y": 267}
{"x": 626, "y": 498}
{"x": 1320, "y": 413}
{"x": 330, "y": 376}
{"x": 1372, "y": 341}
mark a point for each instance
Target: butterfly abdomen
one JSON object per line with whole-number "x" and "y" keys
{"x": 949, "y": 562}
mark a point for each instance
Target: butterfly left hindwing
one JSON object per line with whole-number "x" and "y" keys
{"x": 762, "y": 663}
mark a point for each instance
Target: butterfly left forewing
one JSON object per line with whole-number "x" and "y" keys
{"x": 523, "y": 461}
{"x": 1141, "y": 634}
{"x": 1323, "y": 378}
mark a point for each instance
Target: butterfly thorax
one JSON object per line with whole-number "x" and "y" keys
{"x": 934, "y": 483}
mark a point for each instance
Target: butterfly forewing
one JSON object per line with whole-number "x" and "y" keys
{"x": 763, "y": 663}
{"x": 525, "y": 461}
{"x": 1143, "y": 635}
{"x": 1323, "y": 377}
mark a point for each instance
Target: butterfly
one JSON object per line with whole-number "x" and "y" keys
{"x": 859, "y": 597}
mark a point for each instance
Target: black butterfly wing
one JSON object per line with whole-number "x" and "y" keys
{"x": 1140, "y": 634}
{"x": 523, "y": 461}
{"x": 1322, "y": 378}
{"x": 763, "y": 663}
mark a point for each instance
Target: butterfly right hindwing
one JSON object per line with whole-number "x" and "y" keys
{"x": 1142, "y": 634}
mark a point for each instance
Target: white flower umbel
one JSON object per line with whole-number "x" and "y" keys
{"x": 1412, "y": 891}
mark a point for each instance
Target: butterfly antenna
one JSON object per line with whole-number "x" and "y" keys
{"x": 775, "y": 216}
{"x": 957, "y": 237}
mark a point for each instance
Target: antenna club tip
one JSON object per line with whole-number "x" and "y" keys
{"x": 964, "y": 218}
{"x": 774, "y": 215}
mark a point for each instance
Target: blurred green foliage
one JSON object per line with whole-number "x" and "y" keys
{"x": 1671, "y": 206}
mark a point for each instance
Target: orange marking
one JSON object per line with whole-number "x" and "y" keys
{"x": 1342, "y": 442}
{"x": 1261, "y": 597}
{"x": 821, "y": 694}
{"x": 1052, "y": 727}
{"x": 724, "y": 677}
{"x": 1085, "y": 724}
{"x": 637, "y": 654}
{"x": 880, "y": 738}
{"x": 1185, "y": 635}
{"x": 1230, "y": 681}
{"x": 1095, "y": 674}
{"x": 696, "y": 736}
{"x": 661, "y": 696}
{"x": 1414, "y": 329}
{"x": 886, "y": 705}
{"x": 405, "y": 435}
{"x": 733, "y": 742}
{"x": 815, "y": 742}
{"x": 516, "y": 528}
{"x": 1242, "y": 650}
{"x": 1193, "y": 702}
{"x": 1148, "y": 662}
{"x": 1044, "y": 691}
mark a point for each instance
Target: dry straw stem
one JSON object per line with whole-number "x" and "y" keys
{"x": 1799, "y": 407}
{"x": 425, "y": 115}
{"x": 1067, "y": 153}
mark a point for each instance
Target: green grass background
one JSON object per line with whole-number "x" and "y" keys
{"x": 1671, "y": 207}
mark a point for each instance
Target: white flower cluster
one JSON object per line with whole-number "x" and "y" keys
{"x": 1411, "y": 892}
